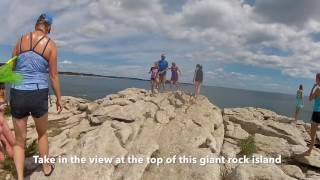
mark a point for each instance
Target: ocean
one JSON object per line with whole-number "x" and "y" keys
{"x": 93, "y": 88}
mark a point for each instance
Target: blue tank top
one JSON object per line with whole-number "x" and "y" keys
{"x": 316, "y": 106}
{"x": 33, "y": 67}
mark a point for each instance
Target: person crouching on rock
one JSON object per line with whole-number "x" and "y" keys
{"x": 37, "y": 61}
{"x": 154, "y": 71}
{"x": 299, "y": 105}
{"x": 314, "y": 95}
{"x": 197, "y": 80}
{"x": 175, "y": 71}
{"x": 6, "y": 136}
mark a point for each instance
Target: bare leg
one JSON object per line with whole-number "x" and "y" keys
{"x": 296, "y": 114}
{"x": 199, "y": 88}
{"x": 43, "y": 144}
{"x": 195, "y": 89}
{"x": 314, "y": 127}
{"x": 164, "y": 85}
{"x": 152, "y": 86}
{"x": 160, "y": 83}
{"x": 20, "y": 130}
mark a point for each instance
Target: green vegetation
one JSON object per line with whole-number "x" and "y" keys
{"x": 9, "y": 167}
{"x": 7, "y": 111}
{"x": 8, "y": 164}
{"x": 248, "y": 146}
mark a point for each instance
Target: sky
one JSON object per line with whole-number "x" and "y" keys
{"x": 259, "y": 45}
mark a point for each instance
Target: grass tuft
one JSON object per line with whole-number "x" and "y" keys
{"x": 248, "y": 146}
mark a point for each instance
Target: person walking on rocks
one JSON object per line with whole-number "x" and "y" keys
{"x": 197, "y": 80}
{"x": 314, "y": 95}
{"x": 175, "y": 71}
{"x": 163, "y": 68}
{"x": 299, "y": 102}
{"x": 154, "y": 71}
{"x": 37, "y": 61}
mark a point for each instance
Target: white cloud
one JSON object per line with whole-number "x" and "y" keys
{"x": 189, "y": 31}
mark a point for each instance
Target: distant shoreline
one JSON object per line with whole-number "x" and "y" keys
{"x": 105, "y": 76}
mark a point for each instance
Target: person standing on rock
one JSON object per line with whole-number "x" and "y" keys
{"x": 163, "y": 68}
{"x": 197, "y": 80}
{"x": 154, "y": 71}
{"x": 314, "y": 95}
{"x": 175, "y": 71}
{"x": 299, "y": 105}
{"x": 37, "y": 61}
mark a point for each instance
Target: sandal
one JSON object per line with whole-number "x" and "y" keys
{"x": 51, "y": 171}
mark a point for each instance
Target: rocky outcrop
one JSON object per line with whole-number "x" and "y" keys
{"x": 137, "y": 123}
{"x": 273, "y": 135}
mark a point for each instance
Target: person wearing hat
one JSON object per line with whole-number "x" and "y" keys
{"x": 37, "y": 64}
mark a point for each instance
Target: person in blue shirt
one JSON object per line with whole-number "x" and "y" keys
{"x": 163, "y": 68}
{"x": 314, "y": 95}
{"x": 37, "y": 64}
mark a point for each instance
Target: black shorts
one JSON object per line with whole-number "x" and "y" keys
{"x": 24, "y": 103}
{"x": 163, "y": 74}
{"x": 315, "y": 117}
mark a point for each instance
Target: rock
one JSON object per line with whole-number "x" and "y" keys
{"x": 258, "y": 171}
{"x": 309, "y": 160}
{"x": 293, "y": 171}
{"x": 312, "y": 175}
{"x": 92, "y": 107}
{"x": 318, "y": 136}
{"x": 124, "y": 134}
{"x": 112, "y": 96}
{"x": 128, "y": 124}
{"x": 170, "y": 111}
{"x": 264, "y": 122}
{"x": 137, "y": 123}
{"x": 162, "y": 117}
{"x": 178, "y": 103}
{"x": 121, "y": 102}
{"x": 82, "y": 107}
{"x": 272, "y": 145}
{"x": 235, "y": 131}
{"x": 95, "y": 121}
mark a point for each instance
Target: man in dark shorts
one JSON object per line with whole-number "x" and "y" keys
{"x": 37, "y": 61}
{"x": 163, "y": 67}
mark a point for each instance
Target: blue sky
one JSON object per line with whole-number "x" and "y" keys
{"x": 261, "y": 45}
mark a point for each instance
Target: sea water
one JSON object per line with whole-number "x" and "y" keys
{"x": 93, "y": 88}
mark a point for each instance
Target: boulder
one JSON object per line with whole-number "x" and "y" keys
{"x": 293, "y": 171}
{"x": 258, "y": 171}
{"x": 137, "y": 123}
{"x": 272, "y": 145}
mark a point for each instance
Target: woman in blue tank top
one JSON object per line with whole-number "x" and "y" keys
{"x": 37, "y": 62}
{"x": 314, "y": 95}
{"x": 299, "y": 102}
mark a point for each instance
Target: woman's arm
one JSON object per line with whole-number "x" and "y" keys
{"x": 313, "y": 93}
{"x": 54, "y": 76}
